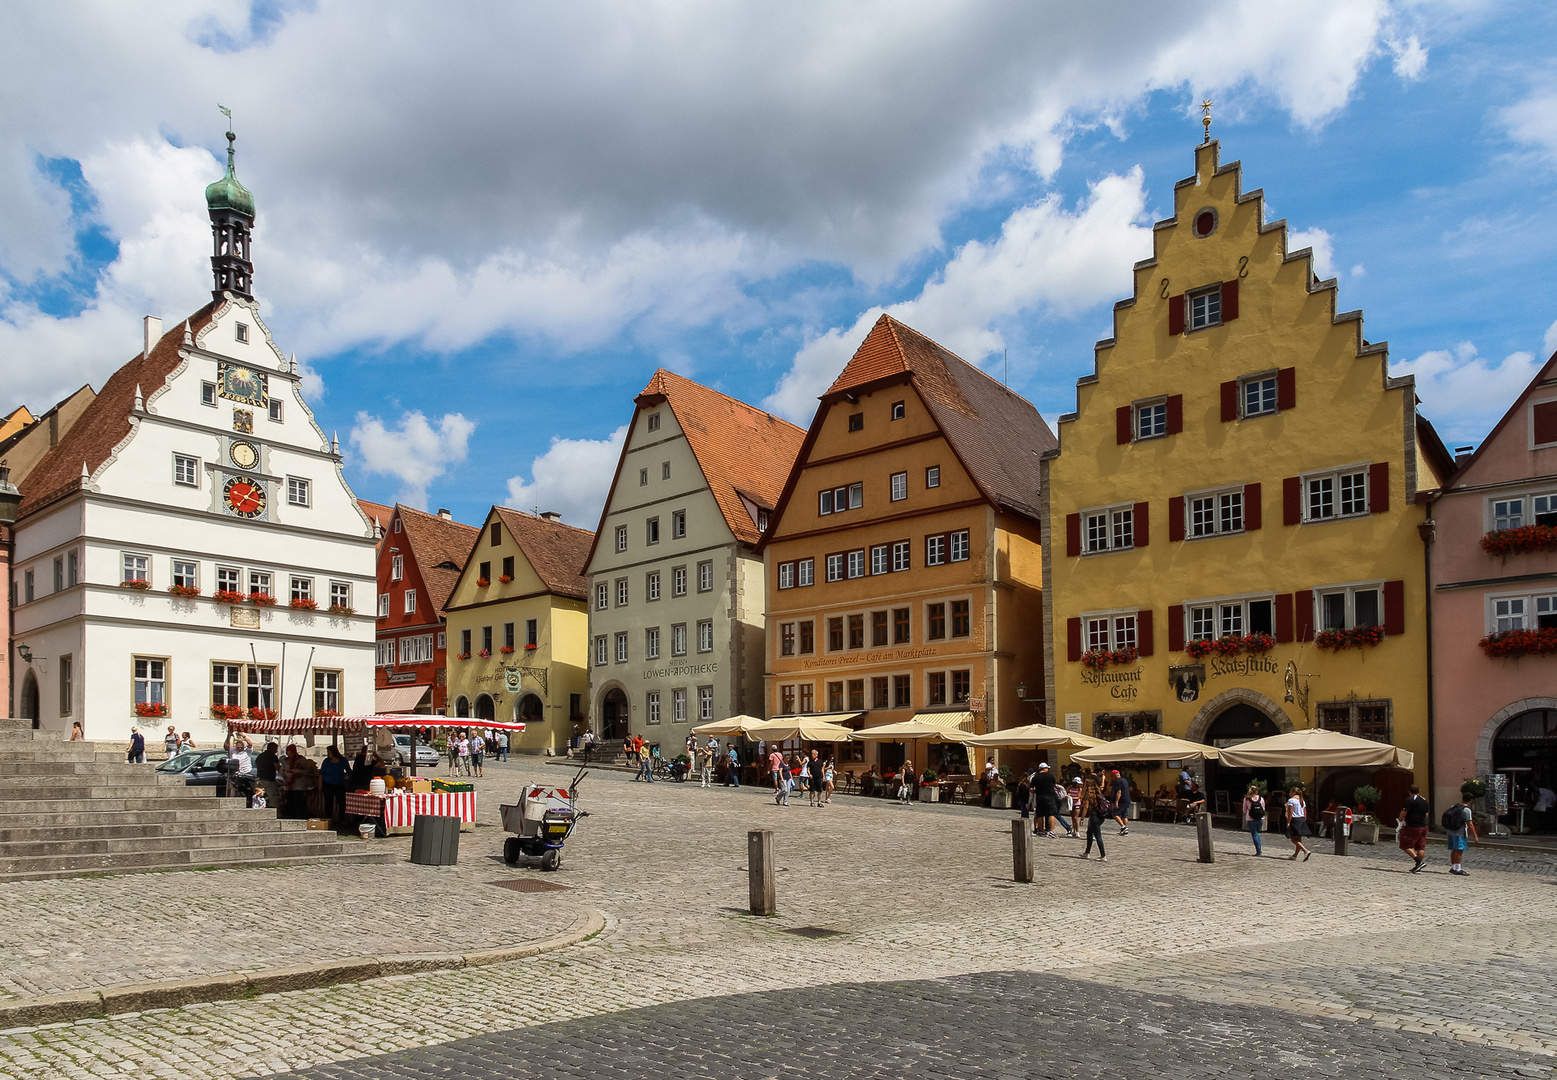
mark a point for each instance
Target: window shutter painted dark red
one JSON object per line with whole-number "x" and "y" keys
{"x": 1283, "y": 618}
{"x": 1142, "y": 524}
{"x": 1073, "y": 535}
{"x": 1176, "y": 628}
{"x": 1176, "y": 314}
{"x": 1394, "y": 607}
{"x": 1252, "y": 510}
{"x": 1292, "y": 501}
{"x": 1543, "y": 422}
{"x": 1303, "y": 614}
{"x": 1229, "y": 300}
{"x": 1176, "y": 518}
{"x": 1175, "y": 414}
{"x": 1073, "y": 639}
{"x": 1143, "y": 633}
{"x": 1122, "y": 426}
{"x": 1229, "y": 401}
{"x": 1286, "y": 388}
{"x": 1378, "y": 487}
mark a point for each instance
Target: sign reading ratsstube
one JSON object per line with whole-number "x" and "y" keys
{"x": 680, "y": 670}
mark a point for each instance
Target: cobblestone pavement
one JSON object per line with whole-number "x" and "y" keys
{"x": 1425, "y": 971}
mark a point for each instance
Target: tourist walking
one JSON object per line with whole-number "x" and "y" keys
{"x": 1461, "y": 826}
{"x": 478, "y": 753}
{"x": 816, "y": 779}
{"x": 705, "y": 760}
{"x": 240, "y": 769}
{"x": 1024, "y": 794}
{"x": 1073, "y": 790}
{"x": 905, "y": 784}
{"x": 453, "y": 748}
{"x": 136, "y": 754}
{"x": 1097, "y": 809}
{"x": 589, "y": 745}
{"x": 1297, "y": 823}
{"x": 776, "y": 768}
{"x": 333, "y": 774}
{"x": 1045, "y": 807}
{"x": 1254, "y": 815}
{"x": 502, "y": 746}
{"x": 1120, "y": 795}
{"x": 732, "y": 775}
{"x": 170, "y": 743}
{"x": 1411, "y": 830}
{"x": 780, "y": 780}
{"x": 464, "y": 748}
{"x": 827, "y": 782}
{"x": 185, "y": 743}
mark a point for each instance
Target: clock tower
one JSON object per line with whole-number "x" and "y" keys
{"x": 231, "y": 206}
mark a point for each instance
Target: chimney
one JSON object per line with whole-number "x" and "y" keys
{"x": 551, "y": 515}
{"x": 1461, "y": 453}
{"x": 152, "y": 334}
{"x": 443, "y": 512}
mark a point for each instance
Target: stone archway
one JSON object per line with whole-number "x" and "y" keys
{"x": 28, "y": 707}
{"x": 1494, "y": 724}
{"x": 612, "y": 713}
{"x": 1238, "y": 695}
{"x": 486, "y": 709}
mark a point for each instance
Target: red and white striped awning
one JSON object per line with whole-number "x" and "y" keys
{"x": 345, "y": 725}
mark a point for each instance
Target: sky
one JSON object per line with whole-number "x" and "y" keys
{"x": 482, "y": 226}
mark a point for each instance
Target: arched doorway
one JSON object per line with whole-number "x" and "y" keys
{"x": 1225, "y": 786}
{"x": 28, "y": 707}
{"x": 485, "y": 709}
{"x": 462, "y": 706}
{"x": 613, "y": 714}
{"x": 529, "y": 710}
{"x": 1525, "y": 748}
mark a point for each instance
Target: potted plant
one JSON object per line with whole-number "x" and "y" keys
{"x": 506, "y": 649}
{"x": 462, "y": 656}
{"x": 229, "y": 596}
{"x": 530, "y": 648}
{"x": 930, "y": 786}
{"x": 482, "y": 582}
{"x": 303, "y": 604}
{"x": 139, "y": 584}
{"x": 226, "y": 712}
{"x": 1000, "y": 793}
{"x": 505, "y": 578}
{"x": 183, "y": 590}
{"x": 342, "y": 609}
{"x": 262, "y": 599}
{"x": 1365, "y": 823}
{"x": 485, "y": 654}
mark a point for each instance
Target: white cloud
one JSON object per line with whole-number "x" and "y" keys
{"x": 1534, "y": 121}
{"x": 1045, "y": 257}
{"x": 1359, "y": 271}
{"x": 1410, "y": 58}
{"x": 573, "y": 478}
{"x": 1549, "y": 342}
{"x": 1324, "y": 249}
{"x": 1464, "y": 393}
{"x": 417, "y": 453}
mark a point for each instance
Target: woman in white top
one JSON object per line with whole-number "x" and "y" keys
{"x": 1297, "y": 823}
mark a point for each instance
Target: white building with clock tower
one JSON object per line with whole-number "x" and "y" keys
{"x": 191, "y": 550}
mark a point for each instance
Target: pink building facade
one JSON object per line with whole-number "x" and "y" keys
{"x": 1494, "y": 617}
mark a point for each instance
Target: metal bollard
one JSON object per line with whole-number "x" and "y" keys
{"x": 759, "y": 863}
{"x": 1338, "y": 827}
{"x": 1203, "y": 836}
{"x": 1021, "y": 851}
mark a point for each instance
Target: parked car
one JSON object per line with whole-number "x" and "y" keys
{"x": 425, "y": 755}
{"x": 200, "y": 768}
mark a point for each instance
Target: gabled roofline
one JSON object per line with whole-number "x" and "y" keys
{"x": 1546, "y": 372}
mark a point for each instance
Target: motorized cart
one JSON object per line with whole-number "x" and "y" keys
{"x": 543, "y": 819}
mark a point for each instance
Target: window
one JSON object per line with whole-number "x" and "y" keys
{"x": 261, "y": 687}
{"x": 835, "y": 634}
{"x": 442, "y": 639}
{"x": 299, "y": 491}
{"x": 1529, "y": 612}
{"x": 27, "y": 587}
{"x": 654, "y": 422}
{"x": 705, "y": 577}
{"x": 835, "y": 696}
{"x": 396, "y": 567}
{"x": 839, "y": 499}
{"x": 678, "y": 525}
{"x": 856, "y": 695}
{"x": 385, "y": 648}
{"x": 410, "y": 601}
{"x": 208, "y": 394}
{"x": 678, "y": 581}
{"x": 899, "y": 410}
{"x": 835, "y": 568}
{"x": 621, "y": 592}
{"x": 643, "y": 477}
{"x": 899, "y": 486}
{"x": 602, "y": 596}
{"x": 486, "y": 639}
{"x": 705, "y": 703}
{"x": 807, "y": 698}
{"x": 383, "y": 604}
{"x": 678, "y": 706}
{"x": 340, "y": 594}
{"x": 465, "y": 642}
{"x": 807, "y": 638}
{"x": 72, "y": 567}
{"x": 186, "y": 470}
{"x": 1337, "y": 494}
{"x": 786, "y": 575}
{"x": 787, "y": 639}
{"x": 242, "y": 331}
{"x": 962, "y": 684}
{"x": 678, "y": 639}
{"x": 1110, "y": 631}
{"x": 857, "y": 421}
{"x": 1348, "y": 607}
{"x": 932, "y": 476}
{"x": 327, "y": 692}
{"x": 705, "y": 636}
{"x": 273, "y": 409}
{"x": 1258, "y": 395}
{"x": 880, "y": 692}
{"x": 902, "y": 692}
{"x": 960, "y": 624}
{"x": 878, "y": 629}
{"x": 652, "y": 531}
{"x": 484, "y": 571}
{"x": 664, "y": 470}
{"x": 857, "y": 563}
{"x": 1109, "y": 529}
{"x": 228, "y": 577}
{"x": 651, "y": 585}
{"x": 59, "y": 573}
{"x": 67, "y": 686}
{"x": 134, "y": 569}
{"x": 1363, "y": 719}
{"x": 762, "y": 521}
{"x": 651, "y": 643}
{"x": 602, "y": 650}
{"x": 621, "y": 648}
{"x": 787, "y": 699}
{"x": 302, "y": 588}
{"x": 856, "y": 631}
{"x": 936, "y": 622}
{"x": 226, "y": 684}
{"x": 1216, "y": 514}
{"x": 1151, "y": 420}
{"x": 900, "y": 626}
{"x": 186, "y": 574}
{"x": 1205, "y": 308}
{"x": 900, "y": 556}
{"x": 1510, "y": 513}
{"x": 959, "y": 546}
{"x": 508, "y": 634}
{"x": 150, "y": 680}
{"x": 508, "y": 567}
{"x": 621, "y": 538}
{"x": 805, "y": 571}
{"x": 880, "y": 559}
{"x": 935, "y": 686}
{"x": 1124, "y": 725}
{"x": 417, "y": 649}
{"x": 935, "y": 550}
{"x": 1238, "y": 616}
{"x": 653, "y": 699}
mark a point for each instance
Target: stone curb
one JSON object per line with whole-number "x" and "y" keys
{"x": 174, "y": 993}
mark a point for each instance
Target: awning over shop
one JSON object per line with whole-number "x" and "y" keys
{"x": 1039, "y": 736}
{"x": 1316, "y": 747}
{"x": 399, "y": 699}
{"x": 809, "y": 728}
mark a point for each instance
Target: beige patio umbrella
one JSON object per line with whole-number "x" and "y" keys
{"x": 1316, "y": 747}
{"x": 923, "y": 727}
{"x": 810, "y": 728}
{"x": 733, "y": 725}
{"x": 1039, "y": 736}
{"x": 1148, "y": 746}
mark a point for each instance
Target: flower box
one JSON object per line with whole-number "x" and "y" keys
{"x": 262, "y": 714}
{"x": 462, "y": 656}
{"x": 138, "y": 584}
{"x": 1506, "y": 542}
{"x": 183, "y": 590}
{"x": 1516, "y": 643}
{"x": 327, "y": 712}
{"x": 505, "y": 578}
{"x": 1097, "y": 659}
{"x": 506, "y": 649}
{"x": 342, "y": 609}
{"x": 303, "y": 605}
{"x": 482, "y": 582}
{"x": 229, "y": 596}
{"x": 226, "y": 712}
{"x": 930, "y": 792}
{"x": 1230, "y": 645}
{"x": 530, "y": 648}
{"x": 151, "y": 708}
{"x": 262, "y": 599}
{"x": 1360, "y": 637}
{"x": 485, "y": 653}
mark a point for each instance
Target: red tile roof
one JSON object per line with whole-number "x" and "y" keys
{"x": 435, "y": 542}
{"x": 377, "y": 512}
{"x": 105, "y": 423}
{"x": 557, "y": 552}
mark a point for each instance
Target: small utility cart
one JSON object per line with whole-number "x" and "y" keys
{"x": 543, "y": 818}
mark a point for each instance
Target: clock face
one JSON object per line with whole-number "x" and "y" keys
{"x": 243, "y": 455}
{"x": 245, "y": 496}
{"x": 238, "y": 383}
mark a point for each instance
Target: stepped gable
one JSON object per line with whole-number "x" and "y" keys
{"x": 435, "y": 542}
{"x": 996, "y": 433}
{"x": 105, "y": 423}
{"x": 556, "y": 552}
{"x": 740, "y": 448}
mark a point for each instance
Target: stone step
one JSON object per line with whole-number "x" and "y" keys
{"x": 172, "y": 799}
{"x": 19, "y": 751}
{"x": 21, "y": 771}
{"x": 353, "y": 852}
{"x": 86, "y": 786}
{"x": 182, "y": 859}
{"x": 94, "y": 816}
{"x": 108, "y": 827}
{"x": 141, "y": 844}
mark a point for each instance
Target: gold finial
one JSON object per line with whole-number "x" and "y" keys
{"x": 1205, "y": 119}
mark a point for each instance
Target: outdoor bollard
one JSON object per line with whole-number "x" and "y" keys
{"x": 1338, "y": 827}
{"x": 1203, "y": 834}
{"x": 1021, "y": 851}
{"x": 759, "y": 862}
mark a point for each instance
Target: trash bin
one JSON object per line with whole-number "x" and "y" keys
{"x": 435, "y": 840}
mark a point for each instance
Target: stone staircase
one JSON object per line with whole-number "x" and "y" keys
{"x": 68, "y": 809}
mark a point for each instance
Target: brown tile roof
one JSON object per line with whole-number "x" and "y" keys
{"x": 556, "y": 551}
{"x": 377, "y": 512}
{"x": 105, "y": 423}
{"x": 434, "y": 542}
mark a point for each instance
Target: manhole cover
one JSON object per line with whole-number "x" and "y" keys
{"x": 812, "y": 931}
{"x": 529, "y": 884}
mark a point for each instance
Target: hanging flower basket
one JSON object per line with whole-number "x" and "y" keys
{"x": 138, "y": 584}
{"x": 506, "y": 649}
{"x": 1097, "y": 659}
{"x": 229, "y": 596}
{"x": 151, "y": 708}
{"x": 482, "y": 582}
{"x": 342, "y": 609}
{"x": 262, "y": 599}
{"x": 505, "y": 578}
{"x": 1515, "y": 643}
{"x": 226, "y": 712}
{"x": 1506, "y": 542}
{"x": 1360, "y": 637}
{"x": 183, "y": 590}
{"x": 262, "y": 714}
{"x": 303, "y": 605}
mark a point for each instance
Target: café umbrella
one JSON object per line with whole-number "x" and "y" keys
{"x": 1038, "y": 736}
{"x": 1315, "y": 747}
{"x": 809, "y": 728}
{"x": 1148, "y": 746}
{"x": 730, "y": 725}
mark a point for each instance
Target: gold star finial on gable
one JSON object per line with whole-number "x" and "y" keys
{"x": 1205, "y": 119}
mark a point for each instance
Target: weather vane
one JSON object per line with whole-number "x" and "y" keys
{"x": 1205, "y": 119}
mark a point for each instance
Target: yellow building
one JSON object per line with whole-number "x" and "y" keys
{"x": 1240, "y": 469}
{"x": 903, "y": 560}
{"x": 518, "y": 626}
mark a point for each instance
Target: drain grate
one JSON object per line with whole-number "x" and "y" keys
{"x": 811, "y": 931}
{"x": 529, "y": 884}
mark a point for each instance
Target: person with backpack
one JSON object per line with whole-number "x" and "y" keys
{"x": 1297, "y": 823}
{"x": 1096, "y": 806}
{"x": 1458, "y": 821}
{"x": 1254, "y": 815}
{"x": 1411, "y": 831}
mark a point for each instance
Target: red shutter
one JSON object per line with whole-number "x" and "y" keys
{"x": 1122, "y": 426}
{"x": 1229, "y": 401}
{"x": 1143, "y": 633}
{"x": 1303, "y": 610}
{"x": 1543, "y": 422}
{"x": 1292, "y": 501}
{"x": 1252, "y": 510}
{"x": 1072, "y": 535}
{"x": 1176, "y": 628}
{"x": 1175, "y": 414}
{"x": 1073, "y": 639}
{"x": 1286, "y": 388}
{"x": 1283, "y": 618}
{"x": 1142, "y": 524}
{"x": 1394, "y": 607}
{"x": 1176, "y": 518}
{"x": 1176, "y": 314}
{"x": 1378, "y": 487}
{"x": 1229, "y": 300}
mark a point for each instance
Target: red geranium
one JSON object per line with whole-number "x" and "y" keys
{"x": 1515, "y": 643}
{"x": 1506, "y": 542}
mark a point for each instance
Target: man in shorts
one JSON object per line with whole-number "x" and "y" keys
{"x": 1120, "y": 793}
{"x": 1460, "y": 836}
{"x": 1411, "y": 832}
